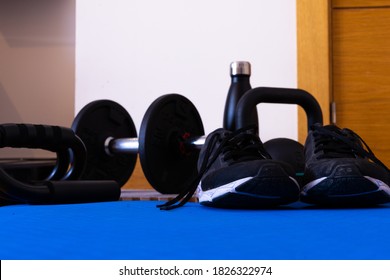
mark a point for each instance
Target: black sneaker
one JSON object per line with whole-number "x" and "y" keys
{"x": 342, "y": 171}
{"x": 235, "y": 171}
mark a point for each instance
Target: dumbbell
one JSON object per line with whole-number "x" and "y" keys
{"x": 283, "y": 149}
{"x": 170, "y": 137}
{"x": 168, "y": 144}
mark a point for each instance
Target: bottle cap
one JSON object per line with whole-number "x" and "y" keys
{"x": 240, "y": 68}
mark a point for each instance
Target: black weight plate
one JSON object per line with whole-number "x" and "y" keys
{"x": 167, "y": 165}
{"x": 96, "y": 122}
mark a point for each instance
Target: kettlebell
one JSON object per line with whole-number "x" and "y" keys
{"x": 282, "y": 149}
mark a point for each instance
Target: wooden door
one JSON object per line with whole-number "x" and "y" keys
{"x": 358, "y": 77}
{"x": 361, "y": 73}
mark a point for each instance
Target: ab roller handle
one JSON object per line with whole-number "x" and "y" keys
{"x": 63, "y": 185}
{"x": 70, "y": 150}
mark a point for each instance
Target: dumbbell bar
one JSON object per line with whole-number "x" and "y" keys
{"x": 131, "y": 145}
{"x": 168, "y": 145}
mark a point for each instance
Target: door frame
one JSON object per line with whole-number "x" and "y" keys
{"x": 314, "y": 63}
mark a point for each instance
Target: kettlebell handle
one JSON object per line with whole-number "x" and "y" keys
{"x": 277, "y": 95}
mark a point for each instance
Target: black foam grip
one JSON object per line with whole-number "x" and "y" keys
{"x": 33, "y": 136}
{"x": 61, "y": 140}
{"x": 56, "y": 192}
{"x": 82, "y": 191}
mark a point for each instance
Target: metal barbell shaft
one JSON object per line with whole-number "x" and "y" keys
{"x": 131, "y": 145}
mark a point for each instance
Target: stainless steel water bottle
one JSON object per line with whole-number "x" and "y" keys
{"x": 240, "y": 72}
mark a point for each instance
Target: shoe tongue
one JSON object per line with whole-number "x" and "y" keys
{"x": 333, "y": 143}
{"x": 333, "y": 128}
{"x": 248, "y": 147}
{"x": 342, "y": 132}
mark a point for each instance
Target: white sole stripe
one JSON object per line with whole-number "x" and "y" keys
{"x": 381, "y": 185}
{"x": 209, "y": 195}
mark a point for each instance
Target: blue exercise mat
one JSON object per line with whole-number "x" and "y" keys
{"x": 137, "y": 230}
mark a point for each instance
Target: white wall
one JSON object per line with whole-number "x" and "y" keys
{"x": 37, "y": 65}
{"x": 135, "y": 51}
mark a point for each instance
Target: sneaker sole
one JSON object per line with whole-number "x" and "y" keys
{"x": 252, "y": 193}
{"x": 346, "y": 192}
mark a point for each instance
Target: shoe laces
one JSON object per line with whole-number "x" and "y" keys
{"x": 243, "y": 147}
{"x": 333, "y": 142}
{"x": 238, "y": 146}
